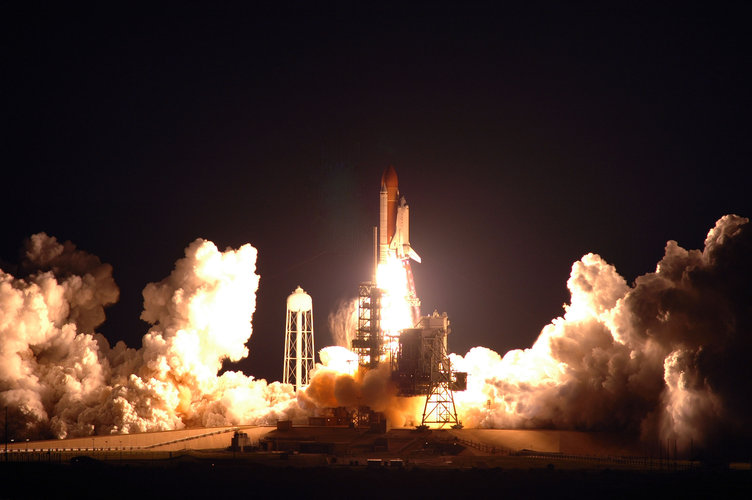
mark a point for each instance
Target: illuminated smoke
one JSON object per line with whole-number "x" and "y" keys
{"x": 666, "y": 357}
{"x": 343, "y": 322}
{"x": 87, "y": 282}
{"x": 337, "y": 382}
{"x": 49, "y": 365}
{"x": 339, "y": 359}
{"x": 59, "y": 377}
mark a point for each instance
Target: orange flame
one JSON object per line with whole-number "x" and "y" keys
{"x": 391, "y": 278}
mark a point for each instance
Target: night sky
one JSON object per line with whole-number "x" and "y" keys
{"x": 522, "y": 141}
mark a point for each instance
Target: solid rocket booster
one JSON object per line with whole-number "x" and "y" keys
{"x": 394, "y": 220}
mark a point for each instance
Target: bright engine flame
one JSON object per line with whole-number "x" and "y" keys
{"x": 391, "y": 278}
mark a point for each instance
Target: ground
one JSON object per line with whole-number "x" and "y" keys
{"x": 447, "y": 462}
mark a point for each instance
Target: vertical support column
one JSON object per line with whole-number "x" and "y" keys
{"x": 439, "y": 407}
{"x": 299, "y": 353}
{"x": 298, "y": 349}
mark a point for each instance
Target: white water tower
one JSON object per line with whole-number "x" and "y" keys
{"x": 299, "y": 353}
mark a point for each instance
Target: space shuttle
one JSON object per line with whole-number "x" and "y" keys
{"x": 394, "y": 220}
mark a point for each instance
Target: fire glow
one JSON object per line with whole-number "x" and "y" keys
{"x": 653, "y": 358}
{"x": 396, "y": 313}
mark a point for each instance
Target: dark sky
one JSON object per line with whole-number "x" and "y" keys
{"x": 522, "y": 141}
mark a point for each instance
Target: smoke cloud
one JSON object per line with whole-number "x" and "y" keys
{"x": 59, "y": 377}
{"x": 337, "y": 382}
{"x": 665, "y": 357}
{"x": 343, "y": 322}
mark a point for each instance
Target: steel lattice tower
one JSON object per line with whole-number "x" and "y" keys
{"x": 421, "y": 367}
{"x": 439, "y": 408}
{"x": 299, "y": 351}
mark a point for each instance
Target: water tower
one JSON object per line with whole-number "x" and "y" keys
{"x": 299, "y": 353}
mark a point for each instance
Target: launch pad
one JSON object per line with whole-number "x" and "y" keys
{"x": 417, "y": 357}
{"x": 462, "y": 463}
{"x": 342, "y": 440}
{"x": 421, "y": 366}
{"x": 417, "y": 354}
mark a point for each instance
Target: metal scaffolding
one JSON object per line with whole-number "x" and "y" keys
{"x": 368, "y": 342}
{"x": 417, "y": 357}
{"x": 421, "y": 366}
{"x": 299, "y": 350}
{"x": 439, "y": 407}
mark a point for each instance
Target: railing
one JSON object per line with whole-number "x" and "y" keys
{"x": 484, "y": 447}
{"x": 11, "y": 452}
{"x": 642, "y": 462}
{"x": 189, "y": 438}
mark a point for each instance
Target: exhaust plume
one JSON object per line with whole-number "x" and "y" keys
{"x": 666, "y": 357}
{"x": 343, "y": 322}
{"x": 337, "y": 382}
{"x": 60, "y": 378}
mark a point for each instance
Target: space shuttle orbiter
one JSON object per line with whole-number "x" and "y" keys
{"x": 394, "y": 220}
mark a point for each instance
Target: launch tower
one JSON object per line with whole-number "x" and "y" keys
{"x": 369, "y": 341}
{"x": 421, "y": 366}
{"x": 417, "y": 355}
{"x": 299, "y": 353}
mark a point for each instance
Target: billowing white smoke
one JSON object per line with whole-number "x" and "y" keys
{"x": 343, "y": 322}
{"x": 666, "y": 357}
{"x": 59, "y": 377}
{"x": 49, "y": 365}
{"x": 337, "y": 382}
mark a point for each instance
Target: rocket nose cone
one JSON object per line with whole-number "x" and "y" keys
{"x": 389, "y": 178}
